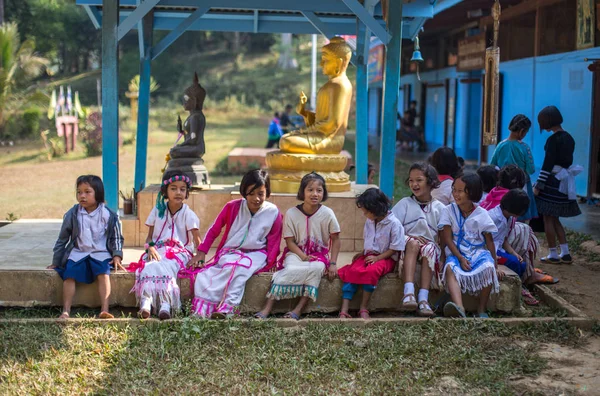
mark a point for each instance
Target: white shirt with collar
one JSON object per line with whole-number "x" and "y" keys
{"x": 91, "y": 240}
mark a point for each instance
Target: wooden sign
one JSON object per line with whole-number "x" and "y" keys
{"x": 586, "y": 23}
{"x": 471, "y": 53}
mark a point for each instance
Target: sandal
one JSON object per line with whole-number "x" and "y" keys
{"x": 566, "y": 259}
{"x": 528, "y": 298}
{"x": 425, "y": 309}
{"x": 64, "y": 315}
{"x": 218, "y": 316}
{"x": 260, "y": 315}
{"x": 105, "y": 315}
{"x": 483, "y": 315}
{"x": 364, "y": 314}
{"x": 344, "y": 315}
{"x": 410, "y": 304}
{"x": 547, "y": 279}
{"x": 550, "y": 260}
{"x": 451, "y": 310}
{"x": 291, "y": 315}
{"x": 540, "y": 271}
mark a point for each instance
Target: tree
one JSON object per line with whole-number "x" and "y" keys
{"x": 18, "y": 65}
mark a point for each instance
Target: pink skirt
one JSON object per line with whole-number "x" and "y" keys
{"x": 361, "y": 273}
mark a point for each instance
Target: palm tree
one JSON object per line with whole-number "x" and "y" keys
{"x": 18, "y": 65}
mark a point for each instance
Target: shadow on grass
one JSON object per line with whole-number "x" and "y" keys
{"x": 25, "y": 158}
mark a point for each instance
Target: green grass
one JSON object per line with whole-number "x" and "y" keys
{"x": 254, "y": 357}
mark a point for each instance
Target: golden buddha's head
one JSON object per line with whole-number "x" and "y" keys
{"x": 194, "y": 95}
{"x": 335, "y": 56}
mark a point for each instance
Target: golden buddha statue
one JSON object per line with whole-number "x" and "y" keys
{"x": 317, "y": 147}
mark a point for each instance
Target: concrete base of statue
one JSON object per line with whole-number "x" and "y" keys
{"x": 286, "y": 170}
{"x": 193, "y": 168}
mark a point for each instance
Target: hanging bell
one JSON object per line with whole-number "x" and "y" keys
{"x": 417, "y": 57}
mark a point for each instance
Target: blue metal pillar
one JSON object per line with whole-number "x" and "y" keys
{"x": 461, "y": 136}
{"x": 110, "y": 102}
{"x": 391, "y": 85}
{"x": 141, "y": 141}
{"x": 362, "y": 103}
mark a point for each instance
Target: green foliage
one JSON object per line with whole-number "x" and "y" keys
{"x": 12, "y": 217}
{"x": 31, "y": 122}
{"x": 134, "y": 84}
{"x": 91, "y": 134}
{"x": 53, "y": 145}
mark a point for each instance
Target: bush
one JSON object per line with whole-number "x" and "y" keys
{"x": 31, "y": 122}
{"x": 91, "y": 134}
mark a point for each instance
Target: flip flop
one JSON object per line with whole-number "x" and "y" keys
{"x": 451, "y": 310}
{"x": 483, "y": 315}
{"x": 345, "y": 315}
{"x": 291, "y": 315}
{"x": 548, "y": 280}
{"x": 64, "y": 315}
{"x": 528, "y": 297}
{"x": 540, "y": 271}
{"x": 218, "y": 315}
{"x": 364, "y": 314}
{"x": 260, "y": 315}
{"x": 105, "y": 315}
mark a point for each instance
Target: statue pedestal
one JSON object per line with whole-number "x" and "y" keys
{"x": 193, "y": 168}
{"x": 286, "y": 170}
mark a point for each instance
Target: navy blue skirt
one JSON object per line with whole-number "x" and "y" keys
{"x": 85, "y": 270}
{"x": 551, "y": 202}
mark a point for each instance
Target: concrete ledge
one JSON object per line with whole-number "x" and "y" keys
{"x": 555, "y": 301}
{"x": 25, "y": 288}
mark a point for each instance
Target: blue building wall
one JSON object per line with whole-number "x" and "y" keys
{"x": 528, "y": 86}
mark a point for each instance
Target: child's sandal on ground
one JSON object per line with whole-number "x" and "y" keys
{"x": 528, "y": 297}
{"x": 566, "y": 259}
{"x": 218, "y": 316}
{"x": 550, "y": 260}
{"x": 345, "y": 315}
{"x": 291, "y": 315}
{"x": 451, "y": 310}
{"x": 64, "y": 315}
{"x": 425, "y": 309}
{"x": 260, "y": 315}
{"x": 540, "y": 271}
{"x": 143, "y": 314}
{"x": 105, "y": 315}
{"x": 364, "y": 314}
{"x": 548, "y": 280}
{"x": 409, "y": 303}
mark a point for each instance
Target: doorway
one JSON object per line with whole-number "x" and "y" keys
{"x": 594, "y": 182}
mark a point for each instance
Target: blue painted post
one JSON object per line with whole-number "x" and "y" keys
{"x": 141, "y": 141}
{"x": 110, "y": 103}
{"x": 362, "y": 104}
{"x": 461, "y": 137}
{"x": 391, "y": 85}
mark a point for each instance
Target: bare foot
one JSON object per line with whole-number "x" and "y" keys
{"x": 64, "y": 315}
{"x": 105, "y": 315}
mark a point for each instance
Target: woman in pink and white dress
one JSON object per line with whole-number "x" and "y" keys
{"x": 249, "y": 245}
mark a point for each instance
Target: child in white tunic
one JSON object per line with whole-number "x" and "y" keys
{"x": 471, "y": 254}
{"x": 420, "y": 215}
{"x": 311, "y": 232}
{"x": 172, "y": 237}
{"x": 250, "y": 245}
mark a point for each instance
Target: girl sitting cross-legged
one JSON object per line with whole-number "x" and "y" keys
{"x": 420, "y": 215}
{"x": 471, "y": 254}
{"x": 311, "y": 233}
{"x": 384, "y": 237}
{"x": 249, "y": 245}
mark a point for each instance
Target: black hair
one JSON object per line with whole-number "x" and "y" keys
{"x": 515, "y": 201}
{"x": 373, "y": 200}
{"x": 288, "y": 106}
{"x": 473, "y": 185}
{"x": 306, "y": 180}
{"x": 429, "y": 171}
{"x": 489, "y": 177}
{"x": 256, "y": 178}
{"x": 461, "y": 162}
{"x": 520, "y": 122}
{"x": 95, "y": 182}
{"x": 511, "y": 176}
{"x": 445, "y": 162}
{"x": 276, "y": 114}
{"x": 166, "y": 176}
{"x": 413, "y": 102}
{"x": 549, "y": 117}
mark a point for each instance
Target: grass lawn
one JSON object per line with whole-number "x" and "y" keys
{"x": 236, "y": 357}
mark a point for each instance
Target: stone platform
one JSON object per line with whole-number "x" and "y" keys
{"x": 27, "y": 251}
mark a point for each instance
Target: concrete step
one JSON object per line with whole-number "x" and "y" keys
{"x": 27, "y": 288}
